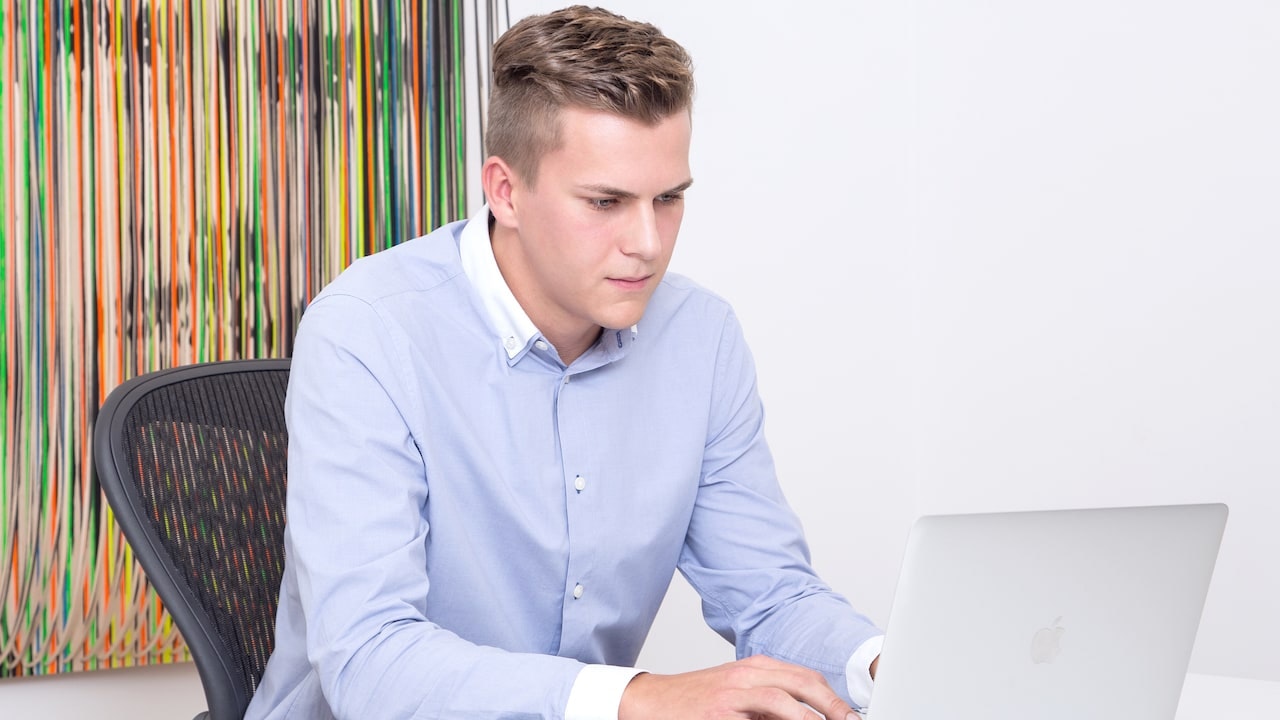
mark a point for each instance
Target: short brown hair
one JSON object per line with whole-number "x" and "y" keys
{"x": 580, "y": 57}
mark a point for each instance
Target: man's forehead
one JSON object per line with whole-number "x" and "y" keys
{"x": 607, "y": 149}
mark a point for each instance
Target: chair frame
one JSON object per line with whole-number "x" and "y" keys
{"x": 225, "y": 697}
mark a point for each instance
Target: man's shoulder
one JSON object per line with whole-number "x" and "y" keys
{"x": 679, "y": 296}
{"x": 418, "y": 265}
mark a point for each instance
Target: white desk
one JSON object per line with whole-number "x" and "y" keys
{"x": 1213, "y": 697}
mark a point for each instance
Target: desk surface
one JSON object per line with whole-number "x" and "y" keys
{"x": 1213, "y": 697}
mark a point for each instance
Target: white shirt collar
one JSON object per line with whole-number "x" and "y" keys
{"x": 513, "y": 325}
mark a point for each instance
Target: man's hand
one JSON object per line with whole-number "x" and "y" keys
{"x": 760, "y": 688}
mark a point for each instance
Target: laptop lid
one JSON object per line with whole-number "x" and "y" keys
{"x": 1048, "y": 614}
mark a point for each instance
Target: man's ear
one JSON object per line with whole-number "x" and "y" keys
{"x": 500, "y": 184}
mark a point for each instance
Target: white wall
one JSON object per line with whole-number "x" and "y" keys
{"x": 1100, "y": 233}
{"x": 990, "y": 255}
{"x": 160, "y": 692}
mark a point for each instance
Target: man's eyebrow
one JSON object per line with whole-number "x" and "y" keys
{"x": 611, "y": 191}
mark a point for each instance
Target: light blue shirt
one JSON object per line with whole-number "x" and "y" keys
{"x": 471, "y": 523}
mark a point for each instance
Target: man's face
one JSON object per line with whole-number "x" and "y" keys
{"x": 594, "y": 235}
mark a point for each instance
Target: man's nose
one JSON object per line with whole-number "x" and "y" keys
{"x": 642, "y": 238}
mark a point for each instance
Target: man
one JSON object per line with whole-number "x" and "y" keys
{"x": 506, "y": 436}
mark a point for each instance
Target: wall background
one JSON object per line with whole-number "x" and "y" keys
{"x": 1029, "y": 261}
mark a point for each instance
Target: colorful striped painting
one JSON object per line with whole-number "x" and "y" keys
{"x": 180, "y": 178}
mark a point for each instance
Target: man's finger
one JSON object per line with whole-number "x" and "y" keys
{"x": 775, "y": 703}
{"x": 799, "y": 683}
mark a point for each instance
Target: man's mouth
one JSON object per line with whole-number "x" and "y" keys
{"x": 630, "y": 282}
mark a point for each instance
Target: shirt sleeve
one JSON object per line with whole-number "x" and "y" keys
{"x": 597, "y": 692}
{"x": 356, "y": 540}
{"x": 858, "y": 672}
{"x": 745, "y": 553}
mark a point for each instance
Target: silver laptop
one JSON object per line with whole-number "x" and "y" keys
{"x": 1046, "y": 615}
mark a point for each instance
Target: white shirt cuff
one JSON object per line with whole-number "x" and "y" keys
{"x": 857, "y": 674}
{"x": 597, "y": 692}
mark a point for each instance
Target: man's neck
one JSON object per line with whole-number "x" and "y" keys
{"x": 570, "y": 342}
{"x": 572, "y": 351}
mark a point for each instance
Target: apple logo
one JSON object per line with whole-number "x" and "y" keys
{"x": 1046, "y": 643}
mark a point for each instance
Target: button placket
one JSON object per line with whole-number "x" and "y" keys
{"x": 577, "y": 463}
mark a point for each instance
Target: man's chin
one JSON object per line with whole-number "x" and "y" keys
{"x": 621, "y": 319}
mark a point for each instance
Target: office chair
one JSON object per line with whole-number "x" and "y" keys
{"x": 192, "y": 461}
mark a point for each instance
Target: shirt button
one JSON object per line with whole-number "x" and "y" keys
{"x": 580, "y": 483}
{"x": 577, "y": 591}
{"x": 510, "y": 343}
{"x": 566, "y": 379}
{"x": 540, "y": 345}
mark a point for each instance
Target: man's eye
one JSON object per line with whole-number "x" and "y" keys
{"x": 670, "y": 198}
{"x": 603, "y": 203}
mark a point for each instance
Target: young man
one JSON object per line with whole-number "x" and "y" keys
{"x": 506, "y": 436}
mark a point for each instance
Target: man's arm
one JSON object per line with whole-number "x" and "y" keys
{"x": 357, "y": 534}
{"x": 746, "y": 556}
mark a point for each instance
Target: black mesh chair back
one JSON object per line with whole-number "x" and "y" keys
{"x": 192, "y": 461}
